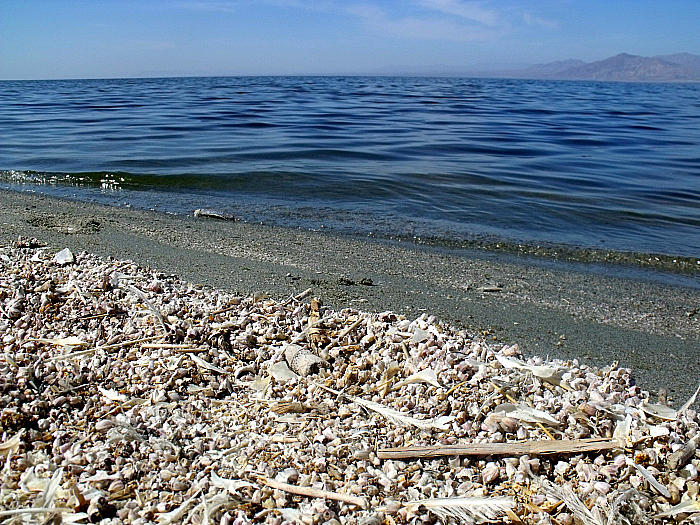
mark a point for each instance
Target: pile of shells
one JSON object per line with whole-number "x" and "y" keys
{"x": 129, "y": 396}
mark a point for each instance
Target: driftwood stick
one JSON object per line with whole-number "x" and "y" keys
{"x": 166, "y": 345}
{"x": 334, "y": 342}
{"x": 106, "y": 348}
{"x": 534, "y": 448}
{"x": 681, "y": 456}
{"x": 191, "y": 350}
{"x": 306, "y": 330}
{"x": 298, "y": 297}
{"x": 36, "y": 510}
{"x": 225, "y": 309}
{"x": 130, "y": 342}
{"x": 184, "y": 348}
{"x": 350, "y": 328}
{"x": 315, "y": 493}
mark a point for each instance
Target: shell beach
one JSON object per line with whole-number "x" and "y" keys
{"x": 130, "y": 396}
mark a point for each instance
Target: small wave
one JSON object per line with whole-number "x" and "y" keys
{"x": 588, "y": 164}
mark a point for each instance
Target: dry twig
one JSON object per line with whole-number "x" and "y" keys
{"x": 533, "y": 448}
{"x": 314, "y": 493}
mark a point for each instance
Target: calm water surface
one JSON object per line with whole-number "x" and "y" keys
{"x": 597, "y": 165}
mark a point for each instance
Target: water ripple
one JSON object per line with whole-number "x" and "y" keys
{"x": 585, "y": 163}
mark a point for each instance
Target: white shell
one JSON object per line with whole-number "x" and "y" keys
{"x": 65, "y": 256}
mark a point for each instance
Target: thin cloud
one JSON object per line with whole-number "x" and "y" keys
{"x": 435, "y": 26}
{"x": 210, "y": 7}
{"x": 537, "y": 21}
{"x": 231, "y": 6}
{"x": 472, "y": 11}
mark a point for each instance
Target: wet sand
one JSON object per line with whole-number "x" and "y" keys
{"x": 594, "y": 313}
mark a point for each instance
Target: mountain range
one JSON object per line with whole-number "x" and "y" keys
{"x": 681, "y": 67}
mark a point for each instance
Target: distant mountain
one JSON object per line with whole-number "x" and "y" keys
{"x": 683, "y": 59}
{"x": 552, "y": 68}
{"x": 443, "y": 70}
{"x": 681, "y": 67}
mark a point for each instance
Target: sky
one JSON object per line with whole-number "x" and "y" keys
{"x": 46, "y": 39}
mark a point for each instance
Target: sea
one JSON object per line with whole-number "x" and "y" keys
{"x": 577, "y": 167}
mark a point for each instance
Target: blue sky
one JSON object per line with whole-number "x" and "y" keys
{"x": 127, "y": 38}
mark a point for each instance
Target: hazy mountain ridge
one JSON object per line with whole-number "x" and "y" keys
{"x": 680, "y": 67}
{"x": 553, "y": 68}
{"x": 683, "y": 59}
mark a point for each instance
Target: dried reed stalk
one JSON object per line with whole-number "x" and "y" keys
{"x": 533, "y": 448}
{"x": 315, "y": 493}
{"x": 107, "y": 348}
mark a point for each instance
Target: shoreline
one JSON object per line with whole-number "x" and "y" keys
{"x": 677, "y": 269}
{"x": 552, "y": 312}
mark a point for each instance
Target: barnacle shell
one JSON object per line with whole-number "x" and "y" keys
{"x": 137, "y": 397}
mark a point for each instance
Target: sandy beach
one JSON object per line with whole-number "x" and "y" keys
{"x": 175, "y": 369}
{"x": 597, "y": 315}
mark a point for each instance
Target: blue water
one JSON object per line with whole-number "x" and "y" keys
{"x": 597, "y": 165}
